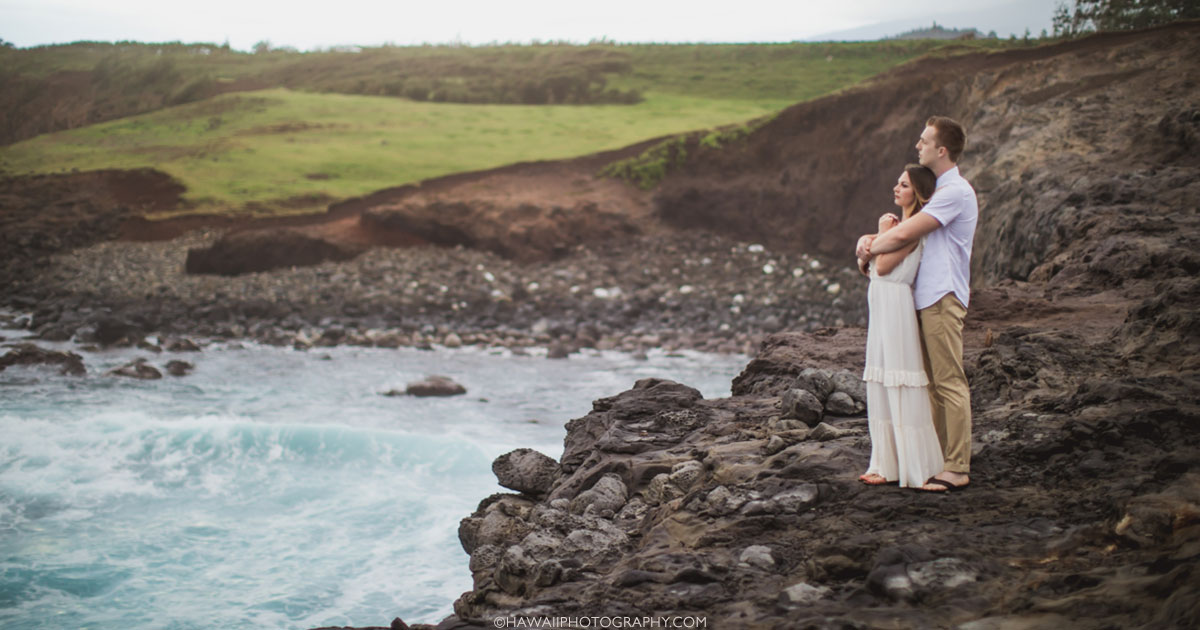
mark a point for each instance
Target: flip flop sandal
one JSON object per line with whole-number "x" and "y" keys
{"x": 949, "y": 487}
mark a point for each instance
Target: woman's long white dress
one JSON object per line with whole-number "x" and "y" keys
{"x": 904, "y": 445}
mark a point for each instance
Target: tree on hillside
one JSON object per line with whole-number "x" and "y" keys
{"x": 1116, "y": 15}
{"x": 6, "y": 44}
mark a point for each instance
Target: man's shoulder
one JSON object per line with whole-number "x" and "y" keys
{"x": 960, "y": 188}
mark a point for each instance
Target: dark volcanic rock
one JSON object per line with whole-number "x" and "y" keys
{"x": 435, "y": 386}
{"x": 526, "y": 470}
{"x": 261, "y": 250}
{"x": 526, "y": 230}
{"x": 138, "y": 368}
{"x": 802, "y": 405}
{"x": 114, "y": 331}
{"x": 179, "y": 368}
{"x": 181, "y": 345}
{"x": 30, "y": 354}
{"x": 783, "y": 357}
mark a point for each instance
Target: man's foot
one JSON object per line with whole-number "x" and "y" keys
{"x": 946, "y": 481}
{"x": 873, "y": 479}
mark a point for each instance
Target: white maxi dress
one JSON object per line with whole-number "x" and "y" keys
{"x": 904, "y": 445}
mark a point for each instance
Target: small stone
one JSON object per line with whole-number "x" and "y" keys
{"x": 825, "y": 432}
{"x": 758, "y": 556}
{"x": 796, "y": 499}
{"x": 804, "y": 594}
{"x": 840, "y": 404}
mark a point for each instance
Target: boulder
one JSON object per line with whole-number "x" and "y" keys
{"x": 435, "y": 386}
{"x": 137, "y": 368}
{"x": 179, "y": 368}
{"x": 852, "y": 384}
{"x": 182, "y": 344}
{"x": 802, "y": 405}
{"x": 819, "y": 382}
{"x": 526, "y": 470}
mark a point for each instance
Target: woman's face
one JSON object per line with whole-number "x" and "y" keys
{"x": 903, "y": 192}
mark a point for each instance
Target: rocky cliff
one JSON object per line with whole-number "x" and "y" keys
{"x": 1081, "y": 346}
{"x": 1062, "y": 139}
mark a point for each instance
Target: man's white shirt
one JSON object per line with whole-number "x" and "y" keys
{"x": 946, "y": 259}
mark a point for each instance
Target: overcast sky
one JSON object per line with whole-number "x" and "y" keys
{"x": 306, "y": 24}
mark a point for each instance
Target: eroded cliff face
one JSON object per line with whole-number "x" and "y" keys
{"x": 1065, "y": 142}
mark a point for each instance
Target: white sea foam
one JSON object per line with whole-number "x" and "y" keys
{"x": 271, "y": 488}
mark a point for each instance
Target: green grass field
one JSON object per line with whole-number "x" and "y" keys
{"x": 332, "y": 133}
{"x": 267, "y": 146}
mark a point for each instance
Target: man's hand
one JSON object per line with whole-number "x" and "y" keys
{"x": 904, "y": 233}
{"x": 887, "y": 222}
{"x": 863, "y": 250}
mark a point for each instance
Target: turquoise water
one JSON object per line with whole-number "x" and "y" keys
{"x": 272, "y": 488}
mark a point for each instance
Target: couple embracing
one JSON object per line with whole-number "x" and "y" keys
{"x": 918, "y": 400}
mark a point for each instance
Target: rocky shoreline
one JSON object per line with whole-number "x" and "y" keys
{"x": 682, "y": 291}
{"x": 1084, "y": 509}
{"x": 1082, "y": 346}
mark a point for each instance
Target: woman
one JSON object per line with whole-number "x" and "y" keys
{"x": 904, "y": 446}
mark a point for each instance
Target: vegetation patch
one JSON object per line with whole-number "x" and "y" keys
{"x": 647, "y": 169}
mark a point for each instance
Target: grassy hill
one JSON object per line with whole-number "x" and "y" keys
{"x": 282, "y": 131}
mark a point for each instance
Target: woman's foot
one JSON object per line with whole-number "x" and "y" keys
{"x": 872, "y": 479}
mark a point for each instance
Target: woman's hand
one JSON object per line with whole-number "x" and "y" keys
{"x": 887, "y": 222}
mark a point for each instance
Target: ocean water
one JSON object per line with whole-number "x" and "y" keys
{"x": 272, "y": 488}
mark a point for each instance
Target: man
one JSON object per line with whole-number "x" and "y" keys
{"x": 941, "y": 291}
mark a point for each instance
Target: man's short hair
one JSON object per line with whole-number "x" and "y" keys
{"x": 950, "y": 134}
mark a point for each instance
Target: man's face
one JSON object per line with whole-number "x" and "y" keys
{"x": 927, "y": 149}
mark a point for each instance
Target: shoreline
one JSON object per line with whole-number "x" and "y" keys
{"x": 684, "y": 291}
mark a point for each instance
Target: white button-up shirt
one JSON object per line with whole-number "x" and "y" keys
{"x": 946, "y": 259}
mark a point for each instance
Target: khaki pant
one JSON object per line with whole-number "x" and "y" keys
{"x": 949, "y": 394}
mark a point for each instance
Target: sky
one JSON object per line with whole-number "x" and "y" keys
{"x": 309, "y": 24}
